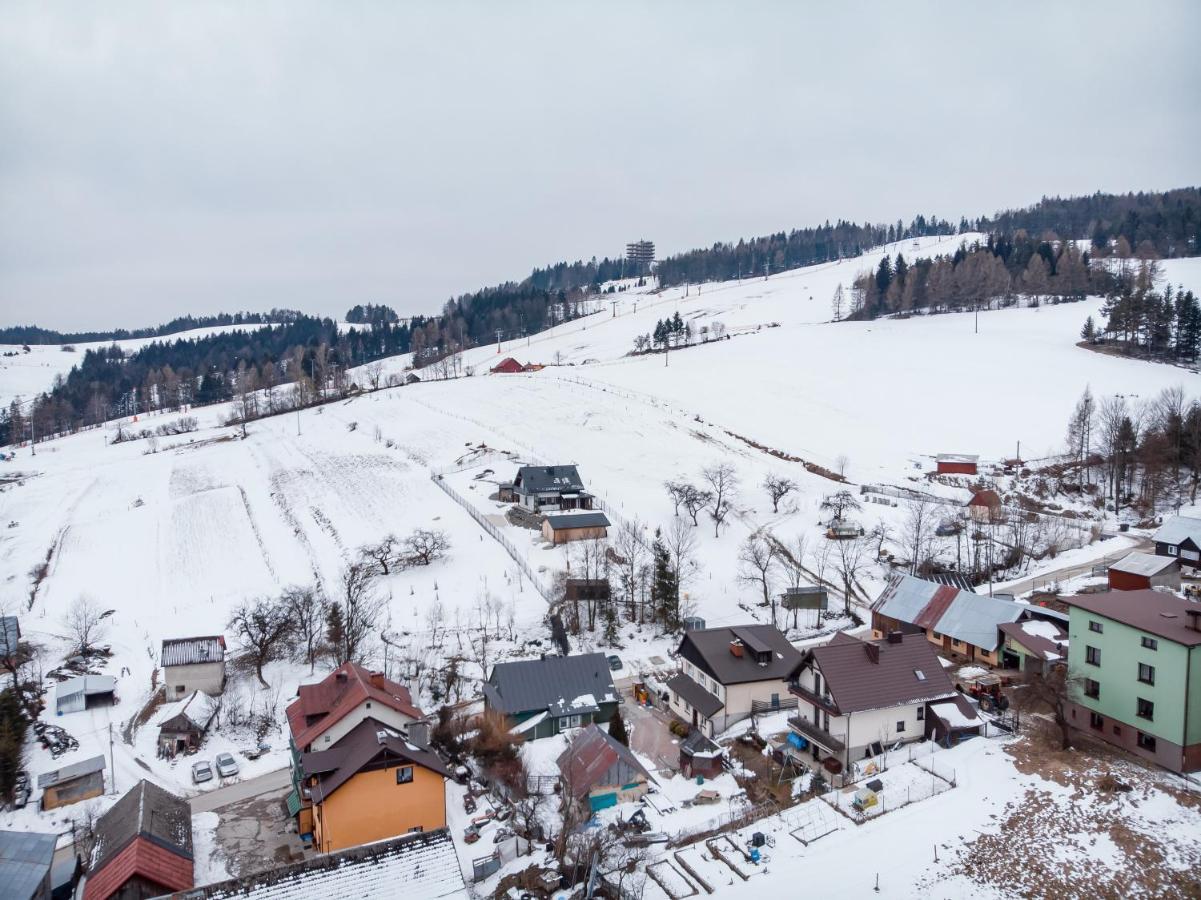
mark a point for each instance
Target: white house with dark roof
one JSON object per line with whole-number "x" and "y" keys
{"x": 727, "y": 674}
{"x": 857, "y": 698}
{"x": 193, "y": 664}
{"x": 556, "y": 487}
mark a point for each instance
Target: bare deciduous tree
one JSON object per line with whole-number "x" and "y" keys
{"x": 849, "y": 558}
{"x": 85, "y": 624}
{"x": 374, "y": 372}
{"x": 756, "y": 562}
{"x": 680, "y": 541}
{"x": 425, "y": 545}
{"x": 917, "y": 531}
{"x": 262, "y": 626}
{"x": 840, "y": 503}
{"x": 778, "y": 487}
{"x": 307, "y": 608}
{"x": 1051, "y": 692}
{"x": 382, "y": 556}
{"x": 723, "y": 484}
{"x": 631, "y": 553}
{"x": 358, "y": 610}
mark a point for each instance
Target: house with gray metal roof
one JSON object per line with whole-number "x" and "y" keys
{"x": 1180, "y": 538}
{"x": 561, "y": 528}
{"x": 542, "y": 697}
{"x": 728, "y": 674}
{"x": 554, "y": 487}
{"x": 960, "y": 623}
{"x": 597, "y": 768}
{"x": 70, "y": 784}
{"x": 26, "y": 859}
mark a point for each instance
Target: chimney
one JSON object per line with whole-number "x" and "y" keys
{"x": 376, "y": 680}
{"x": 340, "y": 676}
{"x": 895, "y": 637}
{"x": 736, "y": 648}
{"x": 873, "y": 652}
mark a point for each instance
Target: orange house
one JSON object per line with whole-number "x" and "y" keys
{"x": 373, "y": 785}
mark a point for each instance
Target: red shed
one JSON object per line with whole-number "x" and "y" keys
{"x": 1143, "y": 571}
{"x": 507, "y": 366}
{"x": 956, "y": 464}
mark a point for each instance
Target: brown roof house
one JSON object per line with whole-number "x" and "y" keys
{"x": 597, "y": 768}
{"x": 374, "y": 784}
{"x": 985, "y": 507}
{"x": 143, "y": 847}
{"x": 1141, "y": 571}
{"x": 859, "y": 697}
{"x": 325, "y": 712}
{"x": 79, "y": 781}
{"x": 728, "y": 674}
{"x": 1034, "y": 645}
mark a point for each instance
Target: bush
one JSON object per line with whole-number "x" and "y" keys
{"x": 679, "y": 729}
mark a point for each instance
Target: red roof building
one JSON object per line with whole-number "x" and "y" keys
{"x": 507, "y": 366}
{"x": 350, "y": 687}
{"x": 143, "y": 846}
{"x": 986, "y": 506}
{"x": 956, "y": 464}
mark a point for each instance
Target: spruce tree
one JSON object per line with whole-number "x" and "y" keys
{"x": 663, "y": 584}
{"x": 617, "y": 729}
{"x": 1089, "y": 331}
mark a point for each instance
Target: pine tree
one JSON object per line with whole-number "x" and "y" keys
{"x": 335, "y": 628}
{"x": 617, "y": 729}
{"x": 663, "y": 584}
{"x": 1089, "y": 331}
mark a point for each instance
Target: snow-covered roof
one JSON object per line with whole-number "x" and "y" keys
{"x": 965, "y": 616}
{"x": 420, "y": 866}
{"x": 1139, "y": 563}
{"x": 194, "y": 650}
{"x": 198, "y": 708}
{"x": 87, "y": 685}
{"x": 956, "y": 712}
{"x": 1178, "y": 529}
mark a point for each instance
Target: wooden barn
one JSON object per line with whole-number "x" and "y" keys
{"x": 956, "y": 464}
{"x": 507, "y": 366}
{"x": 70, "y": 784}
{"x": 562, "y": 528}
{"x": 1141, "y": 571}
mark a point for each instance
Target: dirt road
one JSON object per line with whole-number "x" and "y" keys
{"x": 273, "y": 782}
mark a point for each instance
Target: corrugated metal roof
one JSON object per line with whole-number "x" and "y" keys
{"x": 533, "y": 685}
{"x": 71, "y": 772}
{"x": 963, "y": 615}
{"x": 25, "y": 858}
{"x": 1179, "y": 529}
{"x": 595, "y": 759}
{"x": 413, "y": 867}
{"x": 189, "y": 651}
{"x": 87, "y": 685}
{"x": 1148, "y": 564}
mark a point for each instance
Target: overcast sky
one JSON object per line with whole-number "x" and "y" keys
{"x": 161, "y": 159}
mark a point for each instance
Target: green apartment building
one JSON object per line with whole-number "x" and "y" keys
{"x": 1135, "y": 658}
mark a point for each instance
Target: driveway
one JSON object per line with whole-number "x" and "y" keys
{"x": 276, "y": 782}
{"x": 649, "y": 735}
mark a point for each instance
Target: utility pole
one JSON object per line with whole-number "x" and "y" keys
{"x": 33, "y": 429}
{"x": 298, "y": 421}
{"x": 112, "y": 769}
{"x": 499, "y": 332}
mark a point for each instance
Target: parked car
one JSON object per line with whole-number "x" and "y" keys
{"x": 21, "y": 790}
{"x": 615, "y": 663}
{"x": 227, "y": 766}
{"x": 201, "y": 771}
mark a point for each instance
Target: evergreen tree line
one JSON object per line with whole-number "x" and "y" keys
{"x": 32, "y": 334}
{"x": 1144, "y": 322}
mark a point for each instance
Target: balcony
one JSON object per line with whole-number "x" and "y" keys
{"x": 816, "y": 734}
{"x": 823, "y": 703}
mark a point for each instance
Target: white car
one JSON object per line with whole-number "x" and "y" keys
{"x": 201, "y": 771}
{"x": 227, "y": 766}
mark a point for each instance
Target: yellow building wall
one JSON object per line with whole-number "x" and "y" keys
{"x": 372, "y": 807}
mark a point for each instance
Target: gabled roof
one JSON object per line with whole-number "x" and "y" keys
{"x": 862, "y": 675}
{"x": 71, "y": 772}
{"x": 986, "y": 497}
{"x": 198, "y": 709}
{"x": 412, "y": 867}
{"x": 698, "y": 745}
{"x": 709, "y": 649}
{"x": 340, "y": 693}
{"x": 952, "y": 579}
{"x": 545, "y": 479}
{"x": 371, "y": 741}
{"x": 560, "y": 521}
{"x": 140, "y": 835}
{"x": 590, "y": 760}
{"x": 1155, "y": 612}
{"x": 965, "y": 616}
{"x": 1178, "y": 529}
{"x": 1045, "y": 640}
{"x": 25, "y": 860}
{"x": 1148, "y": 564}
{"x": 189, "y": 651}
{"x": 562, "y": 684}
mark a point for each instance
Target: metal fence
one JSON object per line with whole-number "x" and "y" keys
{"x": 736, "y": 818}
{"x": 522, "y": 563}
